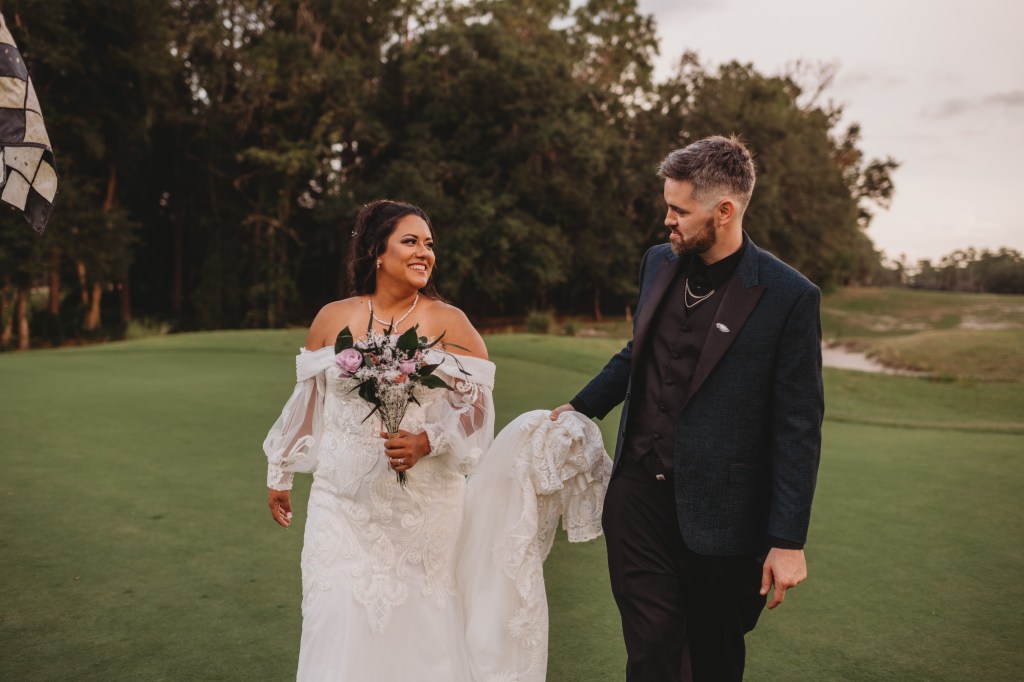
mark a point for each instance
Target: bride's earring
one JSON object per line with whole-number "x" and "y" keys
{"x": 378, "y": 263}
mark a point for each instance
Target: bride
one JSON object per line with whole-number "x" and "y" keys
{"x": 422, "y": 581}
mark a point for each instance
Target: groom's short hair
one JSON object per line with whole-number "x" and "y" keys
{"x": 714, "y": 165}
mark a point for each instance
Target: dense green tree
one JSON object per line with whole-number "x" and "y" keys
{"x": 213, "y": 155}
{"x": 282, "y": 88}
{"x": 498, "y": 127}
{"x": 98, "y": 69}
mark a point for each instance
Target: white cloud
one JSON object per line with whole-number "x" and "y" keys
{"x": 874, "y": 79}
{"x": 960, "y": 105}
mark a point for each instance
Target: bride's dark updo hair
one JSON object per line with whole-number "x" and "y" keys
{"x": 374, "y": 225}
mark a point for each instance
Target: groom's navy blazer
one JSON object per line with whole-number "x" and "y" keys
{"x": 748, "y": 436}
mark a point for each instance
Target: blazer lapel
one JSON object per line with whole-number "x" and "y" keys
{"x": 738, "y": 300}
{"x": 653, "y": 298}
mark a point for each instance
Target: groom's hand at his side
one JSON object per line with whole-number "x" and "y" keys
{"x": 560, "y": 410}
{"x": 280, "y": 502}
{"x": 784, "y": 568}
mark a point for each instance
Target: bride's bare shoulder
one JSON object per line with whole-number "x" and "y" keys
{"x": 331, "y": 318}
{"x": 458, "y": 330}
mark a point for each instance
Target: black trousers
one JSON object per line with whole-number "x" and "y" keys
{"x": 684, "y": 615}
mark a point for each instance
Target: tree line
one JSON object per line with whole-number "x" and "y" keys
{"x": 213, "y": 155}
{"x": 999, "y": 271}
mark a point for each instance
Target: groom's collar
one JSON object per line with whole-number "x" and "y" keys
{"x": 746, "y": 269}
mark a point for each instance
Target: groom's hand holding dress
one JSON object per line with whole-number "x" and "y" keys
{"x": 560, "y": 410}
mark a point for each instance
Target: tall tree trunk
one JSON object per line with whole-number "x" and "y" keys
{"x": 83, "y": 282}
{"x": 92, "y": 318}
{"x": 126, "y": 297}
{"x": 108, "y": 202}
{"x": 54, "y": 305}
{"x": 21, "y": 312}
{"x": 597, "y": 304}
{"x": 282, "y": 291}
{"x": 216, "y": 302}
{"x": 176, "y": 281}
{"x": 7, "y": 323}
{"x": 343, "y": 275}
{"x": 280, "y": 276}
{"x": 271, "y": 285}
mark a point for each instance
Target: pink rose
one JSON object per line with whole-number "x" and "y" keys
{"x": 400, "y": 379}
{"x": 406, "y": 366}
{"x": 348, "y": 361}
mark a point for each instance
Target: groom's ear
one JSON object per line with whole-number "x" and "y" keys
{"x": 726, "y": 210}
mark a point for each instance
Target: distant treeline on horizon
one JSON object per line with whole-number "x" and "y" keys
{"x": 999, "y": 271}
{"x": 213, "y": 156}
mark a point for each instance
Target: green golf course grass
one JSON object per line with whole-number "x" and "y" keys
{"x": 136, "y": 542}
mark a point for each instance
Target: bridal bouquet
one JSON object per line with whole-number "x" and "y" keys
{"x": 388, "y": 368}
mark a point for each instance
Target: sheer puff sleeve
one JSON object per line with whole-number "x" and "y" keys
{"x": 291, "y": 445}
{"x": 461, "y": 426}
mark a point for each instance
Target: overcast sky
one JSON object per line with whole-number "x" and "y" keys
{"x": 937, "y": 84}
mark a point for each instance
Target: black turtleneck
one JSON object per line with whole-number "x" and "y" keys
{"x": 703, "y": 278}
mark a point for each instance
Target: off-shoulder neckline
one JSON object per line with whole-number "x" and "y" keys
{"x": 456, "y": 357}
{"x": 460, "y": 356}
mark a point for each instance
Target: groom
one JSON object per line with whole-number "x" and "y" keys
{"x": 717, "y": 451}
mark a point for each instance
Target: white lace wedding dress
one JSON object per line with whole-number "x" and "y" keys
{"x": 437, "y": 580}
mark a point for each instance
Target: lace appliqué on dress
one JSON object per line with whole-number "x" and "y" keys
{"x": 388, "y": 539}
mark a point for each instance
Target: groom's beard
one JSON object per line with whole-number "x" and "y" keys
{"x": 700, "y": 243}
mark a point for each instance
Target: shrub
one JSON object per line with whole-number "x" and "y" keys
{"x": 141, "y": 328}
{"x": 539, "y": 322}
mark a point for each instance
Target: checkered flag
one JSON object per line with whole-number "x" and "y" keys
{"x": 28, "y": 180}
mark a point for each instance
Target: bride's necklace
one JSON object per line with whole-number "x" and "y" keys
{"x": 394, "y": 326}
{"x": 687, "y": 292}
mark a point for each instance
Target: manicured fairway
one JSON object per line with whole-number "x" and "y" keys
{"x": 135, "y": 542}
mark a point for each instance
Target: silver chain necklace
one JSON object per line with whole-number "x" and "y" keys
{"x": 696, "y": 299}
{"x": 394, "y": 325}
